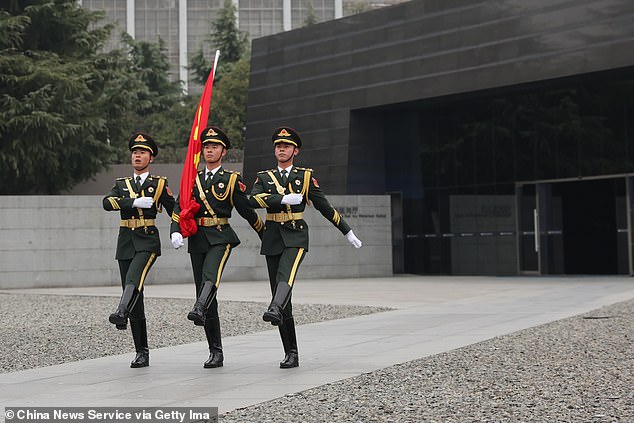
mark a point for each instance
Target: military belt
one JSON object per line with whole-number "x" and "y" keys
{"x": 212, "y": 221}
{"x": 136, "y": 223}
{"x": 284, "y": 217}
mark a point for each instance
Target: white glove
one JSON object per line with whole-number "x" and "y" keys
{"x": 143, "y": 202}
{"x": 292, "y": 199}
{"x": 352, "y": 239}
{"x": 177, "y": 240}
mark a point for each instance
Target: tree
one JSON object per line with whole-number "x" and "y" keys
{"x": 51, "y": 133}
{"x": 162, "y": 109}
{"x": 230, "y": 111}
{"x": 171, "y": 129}
{"x": 150, "y": 63}
{"x": 67, "y": 108}
{"x": 358, "y": 6}
{"x": 231, "y": 84}
{"x": 310, "y": 18}
{"x": 226, "y": 37}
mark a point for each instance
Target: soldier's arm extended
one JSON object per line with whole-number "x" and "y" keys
{"x": 316, "y": 195}
{"x": 261, "y": 198}
{"x": 174, "y": 226}
{"x": 115, "y": 200}
{"x": 243, "y": 206}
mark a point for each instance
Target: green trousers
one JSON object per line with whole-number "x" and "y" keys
{"x": 209, "y": 267}
{"x": 283, "y": 269}
{"x": 134, "y": 272}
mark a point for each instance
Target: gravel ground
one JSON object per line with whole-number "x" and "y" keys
{"x": 579, "y": 369}
{"x": 43, "y": 330}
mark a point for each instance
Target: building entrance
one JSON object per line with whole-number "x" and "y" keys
{"x": 574, "y": 226}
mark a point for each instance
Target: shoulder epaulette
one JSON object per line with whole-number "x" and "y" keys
{"x": 159, "y": 177}
{"x": 268, "y": 170}
{"x": 123, "y": 178}
{"x": 303, "y": 168}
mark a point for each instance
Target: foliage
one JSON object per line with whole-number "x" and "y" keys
{"x": 229, "y": 104}
{"x": 226, "y": 37}
{"x": 52, "y": 81}
{"x": 150, "y": 63}
{"x": 67, "y": 108}
{"x": 171, "y": 129}
{"x": 161, "y": 110}
{"x": 359, "y": 6}
{"x": 310, "y": 18}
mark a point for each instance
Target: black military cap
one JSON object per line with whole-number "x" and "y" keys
{"x": 143, "y": 140}
{"x": 288, "y": 135}
{"x": 215, "y": 134}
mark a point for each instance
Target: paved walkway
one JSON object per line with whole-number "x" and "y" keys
{"x": 432, "y": 315}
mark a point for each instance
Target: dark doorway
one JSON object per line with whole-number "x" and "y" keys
{"x": 589, "y": 226}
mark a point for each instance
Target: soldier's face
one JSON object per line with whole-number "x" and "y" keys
{"x": 213, "y": 152}
{"x": 284, "y": 153}
{"x": 141, "y": 159}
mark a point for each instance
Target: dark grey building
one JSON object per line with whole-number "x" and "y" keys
{"x": 503, "y": 129}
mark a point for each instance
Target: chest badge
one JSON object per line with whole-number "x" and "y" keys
{"x": 297, "y": 182}
{"x": 150, "y": 190}
{"x": 221, "y": 185}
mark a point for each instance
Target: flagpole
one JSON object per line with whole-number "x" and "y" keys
{"x": 213, "y": 70}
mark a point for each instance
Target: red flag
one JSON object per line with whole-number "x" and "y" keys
{"x": 189, "y": 206}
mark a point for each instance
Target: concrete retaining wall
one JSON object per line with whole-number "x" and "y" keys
{"x": 61, "y": 241}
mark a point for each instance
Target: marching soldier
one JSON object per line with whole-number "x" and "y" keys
{"x": 139, "y": 198}
{"x": 284, "y": 192}
{"x": 217, "y": 191}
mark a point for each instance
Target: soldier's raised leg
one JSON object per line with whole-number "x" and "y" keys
{"x": 133, "y": 274}
{"x": 282, "y": 273}
{"x": 207, "y": 267}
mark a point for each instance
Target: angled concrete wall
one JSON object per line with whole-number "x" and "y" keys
{"x": 60, "y": 241}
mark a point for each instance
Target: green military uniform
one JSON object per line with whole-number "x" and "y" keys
{"x": 138, "y": 243}
{"x": 137, "y": 231}
{"x": 285, "y": 236}
{"x": 210, "y": 247}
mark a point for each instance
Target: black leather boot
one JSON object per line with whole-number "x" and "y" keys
{"x": 280, "y": 299}
{"x": 128, "y": 300}
{"x": 206, "y": 296}
{"x": 212, "y": 332}
{"x": 139, "y": 334}
{"x": 289, "y": 341}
